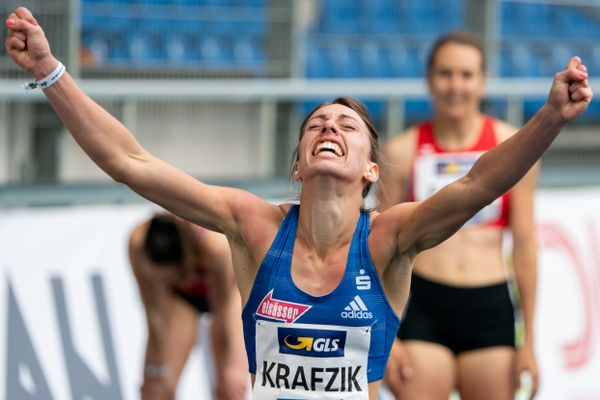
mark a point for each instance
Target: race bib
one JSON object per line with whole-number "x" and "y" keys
{"x": 434, "y": 171}
{"x": 305, "y": 361}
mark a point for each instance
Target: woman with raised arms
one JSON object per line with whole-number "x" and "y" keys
{"x": 323, "y": 281}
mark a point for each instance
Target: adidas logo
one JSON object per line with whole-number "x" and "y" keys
{"x": 356, "y": 309}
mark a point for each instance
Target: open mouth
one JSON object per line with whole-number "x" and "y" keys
{"x": 328, "y": 148}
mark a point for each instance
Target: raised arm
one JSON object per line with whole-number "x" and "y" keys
{"x": 438, "y": 217}
{"x": 113, "y": 148}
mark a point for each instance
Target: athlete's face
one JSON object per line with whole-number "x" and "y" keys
{"x": 456, "y": 80}
{"x": 336, "y": 142}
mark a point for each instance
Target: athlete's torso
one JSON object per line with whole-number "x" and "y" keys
{"x": 194, "y": 289}
{"x": 473, "y": 255}
{"x": 317, "y": 347}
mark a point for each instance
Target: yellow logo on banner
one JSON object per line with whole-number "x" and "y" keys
{"x": 303, "y": 343}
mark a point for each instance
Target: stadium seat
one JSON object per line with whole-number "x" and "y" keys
{"x": 248, "y": 52}
{"x": 378, "y": 16}
{"x": 338, "y": 16}
{"x": 344, "y": 60}
{"x": 317, "y": 62}
{"x": 371, "y": 61}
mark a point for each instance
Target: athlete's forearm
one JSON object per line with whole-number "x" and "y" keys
{"x": 502, "y": 167}
{"x": 227, "y": 336}
{"x": 106, "y": 141}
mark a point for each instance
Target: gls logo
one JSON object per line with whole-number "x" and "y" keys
{"x": 311, "y": 342}
{"x": 356, "y": 309}
{"x": 363, "y": 282}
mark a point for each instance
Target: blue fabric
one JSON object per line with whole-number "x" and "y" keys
{"x": 274, "y": 275}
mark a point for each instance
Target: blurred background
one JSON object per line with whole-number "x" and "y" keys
{"x": 219, "y": 88}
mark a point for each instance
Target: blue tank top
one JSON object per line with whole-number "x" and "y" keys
{"x": 321, "y": 347}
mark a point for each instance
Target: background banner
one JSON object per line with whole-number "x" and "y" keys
{"x": 72, "y": 324}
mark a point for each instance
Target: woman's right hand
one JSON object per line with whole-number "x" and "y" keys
{"x": 27, "y": 45}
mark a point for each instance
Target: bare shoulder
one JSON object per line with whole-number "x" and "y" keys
{"x": 503, "y": 130}
{"x": 397, "y": 157}
{"x": 400, "y": 146}
{"x": 391, "y": 222}
{"x": 249, "y": 205}
{"x": 258, "y": 222}
{"x": 393, "y": 216}
{"x": 390, "y": 232}
{"x": 251, "y": 210}
{"x": 136, "y": 237}
{"x": 135, "y": 245}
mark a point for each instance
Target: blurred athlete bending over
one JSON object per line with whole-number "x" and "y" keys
{"x": 183, "y": 270}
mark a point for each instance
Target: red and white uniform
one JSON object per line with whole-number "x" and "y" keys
{"x": 435, "y": 167}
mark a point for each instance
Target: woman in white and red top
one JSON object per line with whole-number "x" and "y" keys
{"x": 458, "y": 330}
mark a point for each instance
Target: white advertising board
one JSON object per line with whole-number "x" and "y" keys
{"x": 568, "y": 303}
{"x": 71, "y": 322}
{"x": 72, "y": 325}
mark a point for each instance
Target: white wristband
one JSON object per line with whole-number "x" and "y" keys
{"x": 47, "y": 81}
{"x": 157, "y": 370}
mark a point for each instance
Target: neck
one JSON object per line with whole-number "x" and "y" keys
{"x": 460, "y": 133}
{"x": 328, "y": 215}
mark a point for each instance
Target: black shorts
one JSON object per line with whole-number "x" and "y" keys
{"x": 459, "y": 318}
{"x": 198, "y": 302}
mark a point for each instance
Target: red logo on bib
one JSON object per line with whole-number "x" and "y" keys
{"x": 280, "y": 310}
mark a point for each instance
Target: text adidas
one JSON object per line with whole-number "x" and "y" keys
{"x": 357, "y": 314}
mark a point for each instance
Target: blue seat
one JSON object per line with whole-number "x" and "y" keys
{"x": 218, "y": 3}
{"x": 378, "y": 16}
{"x": 338, "y": 16}
{"x": 401, "y": 61}
{"x": 216, "y": 51}
{"x": 377, "y": 111}
{"x": 424, "y": 17}
{"x": 505, "y": 63}
{"x": 523, "y": 61}
{"x": 317, "y": 62}
{"x": 417, "y": 111}
{"x": 371, "y": 61}
{"x": 454, "y": 15}
{"x": 593, "y": 60}
{"x": 253, "y": 27}
{"x": 248, "y": 52}
{"x": 250, "y": 3}
{"x": 559, "y": 56}
{"x": 531, "y": 106}
{"x": 144, "y": 51}
{"x": 344, "y": 61}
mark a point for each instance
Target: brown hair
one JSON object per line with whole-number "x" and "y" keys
{"x": 172, "y": 241}
{"x": 363, "y": 112}
{"x": 459, "y": 37}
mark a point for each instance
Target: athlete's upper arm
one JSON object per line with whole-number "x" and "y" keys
{"x": 134, "y": 247}
{"x": 217, "y": 208}
{"x": 446, "y": 211}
